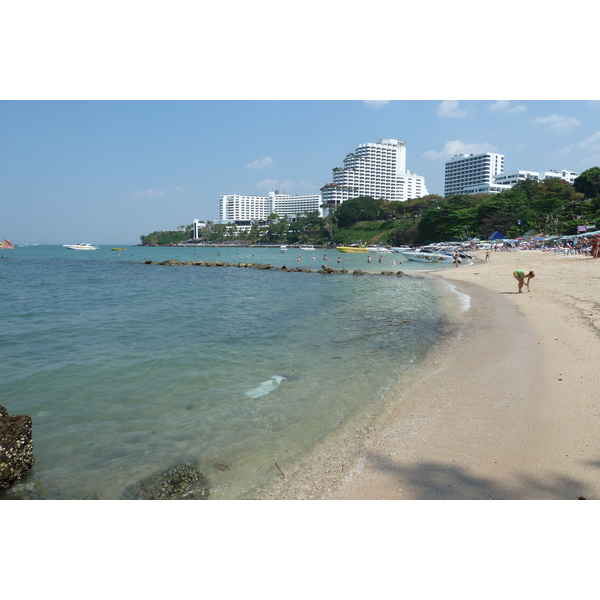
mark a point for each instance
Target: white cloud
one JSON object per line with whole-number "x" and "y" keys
{"x": 449, "y": 109}
{"x": 559, "y": 123}
{"x": 261, "y": 163}
{"x": 590, "y": 147}
{"x": 375, "y": 103}
{"x": 147, "y": 194}
{"x": 275, "y": 184}
{"x": 179, "y": 190}
{"x": 457, "y": 147}
{"x": 507, "y": 106}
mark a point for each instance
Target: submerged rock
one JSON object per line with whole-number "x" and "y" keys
{"x": 16, "y": 448}
{"x": 181, "y": 482}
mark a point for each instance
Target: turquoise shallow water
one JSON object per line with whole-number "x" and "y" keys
{"x": 127, "y": 369}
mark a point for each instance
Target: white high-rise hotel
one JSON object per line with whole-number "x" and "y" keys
{"x": 375, "y": 170}
{"x": 242, "y": 209}
{"x": 472, "y": 173}
{"x": 484, "y": 174}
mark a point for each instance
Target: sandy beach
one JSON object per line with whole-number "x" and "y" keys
{"x": 505, "y": 409}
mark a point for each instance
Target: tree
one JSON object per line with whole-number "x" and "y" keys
{"x": 363, "y": 208}
{"x": 452, "y": 218}
{"x": 588, "y": 183}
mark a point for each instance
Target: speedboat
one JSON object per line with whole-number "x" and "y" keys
{"x": 360, "y": 249}
{"x": 428, "y": 256}
{"x": 80, "y": 246}
{"x": 380, "y": 249}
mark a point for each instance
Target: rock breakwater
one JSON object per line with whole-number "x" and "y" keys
{"x": 324, "y": 270}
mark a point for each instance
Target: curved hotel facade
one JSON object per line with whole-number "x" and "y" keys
{"x": 377, "y": 170}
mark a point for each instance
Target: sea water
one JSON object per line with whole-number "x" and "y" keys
{"x": 128, "y": 368}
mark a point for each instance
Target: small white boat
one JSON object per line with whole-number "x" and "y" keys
{"x": 430, "y": 257}
{"x": 80, "y": 246}
{"x": 304, "y": 247}
{"x": 380, "y": 249}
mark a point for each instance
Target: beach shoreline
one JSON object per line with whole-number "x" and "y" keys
{"x": 503, "y": 408}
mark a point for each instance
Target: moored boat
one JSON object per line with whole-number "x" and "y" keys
{"x": 360, "y": 249}
{"x": 80, "y": 246}
{"x": 430, "y": 257}
{"x": 380, "y": 249}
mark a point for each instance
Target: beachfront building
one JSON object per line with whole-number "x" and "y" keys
{"x": 377, "y": 170}
{"x": 568, "y": 176}
{"x": 244, "y": 210}
{"x": 511, "y": 179}
{"x": 473, "y": 174}
{"x": 484, "y": 174}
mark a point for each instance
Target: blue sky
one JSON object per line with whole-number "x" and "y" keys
{"x": 109, "y": 171}
{"x": 122, "y": 118}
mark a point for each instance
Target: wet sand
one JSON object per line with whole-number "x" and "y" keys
{"x": 506, "y": 409}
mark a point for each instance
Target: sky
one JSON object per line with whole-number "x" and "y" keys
{"x": 123, "y": 118}
{"x": 106, "y": 172}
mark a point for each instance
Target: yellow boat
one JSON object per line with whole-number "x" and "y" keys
{"x": 119, "y": 249}
{"x": 360, "y": 249}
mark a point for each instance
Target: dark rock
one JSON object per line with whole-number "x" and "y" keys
{"x": 16, "y": 448}
{"x": 326, "y": 269}
{"x": 358, "y": 272}
{"x": 171, "y": 263}
{"x": 181, "y": 482}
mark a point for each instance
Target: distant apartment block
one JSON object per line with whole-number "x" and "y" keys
{"x": 511, "y": 179}
{"x": 243, "y": 210}
{"x": 377, "y": 170}
{"x": 484, "y": 174}
{"x": 471, "y": 173}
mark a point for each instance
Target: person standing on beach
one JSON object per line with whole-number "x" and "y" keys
{"x": 521, "y": 276}
{"x": 596, "y": 246}
{"x": 487, "y": 255}
{"x": 456, "y": 258}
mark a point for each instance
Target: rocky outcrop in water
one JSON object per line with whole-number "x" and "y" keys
{"x": 16, "y": 448}
{"x": 324, "y": 270}
{"x": 181, "y": 482}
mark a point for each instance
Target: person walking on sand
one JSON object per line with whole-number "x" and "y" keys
{"x": 456, "y": 258}
{"x": 521, "y": 276}
{"x": 487, "y": 255}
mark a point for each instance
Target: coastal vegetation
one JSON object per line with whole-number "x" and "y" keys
{"x": 551, "y": 207}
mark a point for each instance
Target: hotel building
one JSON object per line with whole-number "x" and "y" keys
{"x": 377, "y": 170}
{"x": 484, "y": 174}
{"x": 242, "y": 210}
{"x": 472, "y": 173}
